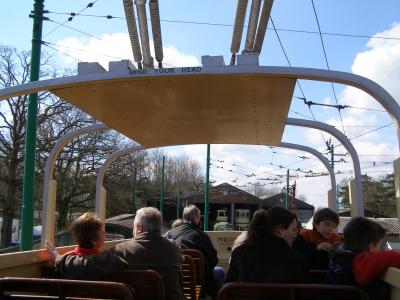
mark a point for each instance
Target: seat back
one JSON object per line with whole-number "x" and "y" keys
{"x": 317, "y": 276}
{"x": 189, "y": 277}
{"x": 147, "y": 284}
{"x": 250, "y": 291}
{"x": 40, "y": 288}
{"x": 198, "y": 259}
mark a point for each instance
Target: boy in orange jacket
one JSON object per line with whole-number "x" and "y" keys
{"x": 317, "y": 242}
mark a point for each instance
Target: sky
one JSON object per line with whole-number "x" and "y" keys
{"x": 361, "y": 37}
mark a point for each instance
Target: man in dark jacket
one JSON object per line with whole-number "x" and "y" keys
{"x": 190, "y": 236}
{"x": 147, "y": 250}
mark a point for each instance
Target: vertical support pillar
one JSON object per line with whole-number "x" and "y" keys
{"x": 206, "y": 189}
{"x": 353, "y": 194}
{"x": 178, "y": 204}
{"x": 101, "y": 204}
{"x": 162, "y": 186}
{"x": 331, "y": 200}
{"x": 30, "y": 133}
{"x": 233, "y": 214}
{"x": 48, "y": 231}
{"x": 396, "y": 169}
{"x": 287, "y": 189}
{"x": 133, "y": 204}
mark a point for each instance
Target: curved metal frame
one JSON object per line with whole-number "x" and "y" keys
{"x": 357, "y": 205}
{"x": 100, "y": 191}
{"x": 50, "y": 185}
{"x": 331, "y": 204}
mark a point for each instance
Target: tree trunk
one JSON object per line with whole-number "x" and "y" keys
{"x": 9, "y": 207}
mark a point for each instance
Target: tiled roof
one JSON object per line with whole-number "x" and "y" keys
{"x": 225, "y": 193}
{"x": 390, "y": 224}
{"x": 278, "y": 200}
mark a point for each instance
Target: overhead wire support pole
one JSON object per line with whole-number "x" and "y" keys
{"x": 206, "y": 189}
{"x": 133, "y": 205}
{"x": 287, "y": 189}
{"x": 162, "y": 186}
{"x": 30, "y": 133}
{"x": 178, "y": 203}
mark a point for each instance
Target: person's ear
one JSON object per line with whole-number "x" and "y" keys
{"x": 139, "y": 228}
{"x": 278, "y": 230}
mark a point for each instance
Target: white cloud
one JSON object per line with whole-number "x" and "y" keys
{"x": 115, "y": 46}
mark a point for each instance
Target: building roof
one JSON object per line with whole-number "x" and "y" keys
{"x": 224, "y": 193}
{"x": 279, "y": 200}
{"x": 367, "y": 213}
{"x": 390, "y": 224}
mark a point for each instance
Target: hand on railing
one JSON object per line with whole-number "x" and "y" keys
{"x": 52, "y": 252}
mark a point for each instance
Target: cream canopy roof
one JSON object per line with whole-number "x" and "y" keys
{"x": 199, "y": 109}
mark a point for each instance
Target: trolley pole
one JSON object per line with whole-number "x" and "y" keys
{"x": 133, "y": 205}
{"x": 287, "y": 189}
{"x": 206, "y": 189}
{"x": 332, "y": 150}
{"x": 162, "y": 186}
{"x": 30, "y": 133}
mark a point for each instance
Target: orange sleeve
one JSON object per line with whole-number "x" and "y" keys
{"x": 307, "y": 235}
{"x": 335, "y": 238}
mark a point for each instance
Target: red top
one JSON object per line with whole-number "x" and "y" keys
{"x": 83, "y": 251}
{"x": 312, "y": 235}
{"x": 369, "y": 266}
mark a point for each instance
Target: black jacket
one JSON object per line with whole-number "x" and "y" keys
{"x": 273, "y": 261}
{"x": 341, "y": 272}
{"x": 190, "y": 236}
{"x": 317, "y": 260}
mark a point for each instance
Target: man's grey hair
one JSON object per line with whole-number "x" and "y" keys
{"x": 190, "y": 212}
{"x": 150, "y": 218}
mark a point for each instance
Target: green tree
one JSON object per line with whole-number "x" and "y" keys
{"x": 379, "y": 194}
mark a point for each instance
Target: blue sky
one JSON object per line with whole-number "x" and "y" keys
{"x": 378, "y": 59}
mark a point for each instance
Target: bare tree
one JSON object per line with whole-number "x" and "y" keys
{"x": 14, "y": 70}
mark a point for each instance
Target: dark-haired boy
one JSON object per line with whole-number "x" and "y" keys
{"x": 317, "y": 242}
{"x": 361, "y": 262}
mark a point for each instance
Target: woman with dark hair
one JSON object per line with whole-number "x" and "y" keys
{"x": 267, "y": 255}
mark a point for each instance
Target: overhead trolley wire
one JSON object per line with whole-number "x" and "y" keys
{"x": 60, "y": 51}
{"x": 367, "y": 132}
{"x": 90, "y": 4}
{"x": 290, "y": 65}
{"x": 337, "y": 106}
{"x": 109, "y": 17}
{"x": 327, "y": 63}
{"x": 362, "y": 134}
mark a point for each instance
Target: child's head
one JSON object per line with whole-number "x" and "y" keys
{"x": 325, "y": 221}
{"x": 88, "y": 231}
{"x": 363, "y": 235}
{"x": 176, "y": 223}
